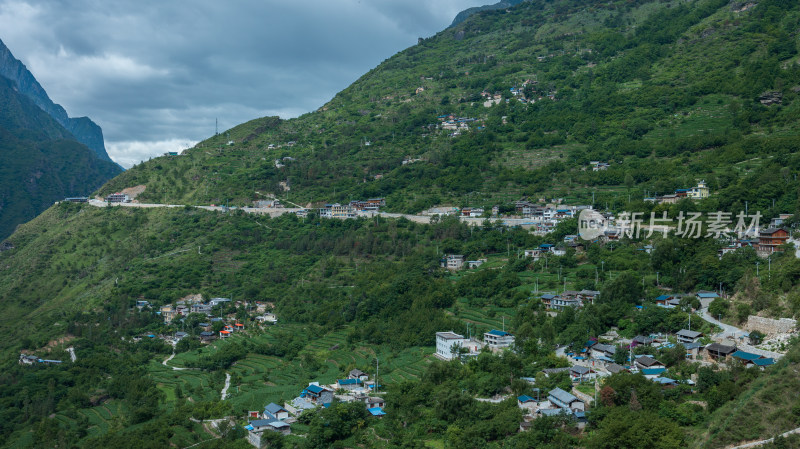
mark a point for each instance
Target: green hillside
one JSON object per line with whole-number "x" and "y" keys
{"x": 40, "y": 161}
{"x": 667, "y": 92}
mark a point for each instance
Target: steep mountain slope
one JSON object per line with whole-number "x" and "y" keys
{"x": 40, "y": 162}
{"x": 84, "y": 129}
{"x": 667, "y": 92}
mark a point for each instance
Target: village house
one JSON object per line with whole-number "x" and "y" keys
{"x": 267, "y": 318}
{"x": 496, "y": 339}
{"x": 547, "y": 300}
{"x": 693, "y": 350}
{"x": 706, "y": 297}
{"x": 168, "y": 313}
{"x": 719, "y": 352}
{"x": 348, "y": 384}
{"x": 448, "y": 342}
{"x": 201, "y": 308}
{"x": 453, "y": 262}
{"x": 564, "y": 400}
{"x": 317, "y": 394}
{"x": 357, "y": 374}
{"x": 600, "y": 351}
{"x": 580, "y": 373}
{"x": 770, "y": 240}
{"x": 533, "y": 253}
{"x": 472, "y": 212}
{"x": 613, "y": 368}
{"x": 25, "y": 359}
{"x": 665, "y": 382}
{"x": 471, "y": 264}
{"x": 687, "y": 336}
{"x": 207, "y": 336}
{"x": 257, "y": 427}
{"x": 652, "y": 373}
{"x": 646, "y": 361}
{"x": 274, "y": 411}
{"x": 118, "y": 198}
{"x": 561, "y": 302}
{"x": 374, "y": 402}
{"x": 778, "y": 221}
{"x": 526, "y": 402}
{"x": 77, "y": 199}
{"x": 217, "y": 301}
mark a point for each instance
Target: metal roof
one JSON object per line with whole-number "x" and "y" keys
{"x": 562, "y": 396}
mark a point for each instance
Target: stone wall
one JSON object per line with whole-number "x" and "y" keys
{"x": 770, "y": 326}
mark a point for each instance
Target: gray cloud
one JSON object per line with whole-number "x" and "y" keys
{"x": 155, "y": 73}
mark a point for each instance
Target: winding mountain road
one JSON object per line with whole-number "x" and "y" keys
{"x": 275, "y": 212}
{"x": 738, "y": 335}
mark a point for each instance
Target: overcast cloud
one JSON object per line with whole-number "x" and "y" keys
{"x": 155, "y": 74}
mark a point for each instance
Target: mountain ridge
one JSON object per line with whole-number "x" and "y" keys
{"x": 464, "y": 15}
{"x": 82, "y": 128}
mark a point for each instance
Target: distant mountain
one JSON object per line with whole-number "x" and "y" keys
{"x": 463, "y": 15}
{"x": 84, "y": 129}
{"x": 40, "y": 161}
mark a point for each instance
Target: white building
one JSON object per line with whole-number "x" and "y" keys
{"x": 446, "y": 342}
{"x": 496, "y": 339}
{"x": 118, "y": 198}
{"x": 453, "y": 262}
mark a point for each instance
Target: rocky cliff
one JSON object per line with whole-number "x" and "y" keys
{"x": 84, "y": 129}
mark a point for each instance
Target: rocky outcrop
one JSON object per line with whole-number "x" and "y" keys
{"x": 83, "y": 129}
{"x": 771, "y": 97}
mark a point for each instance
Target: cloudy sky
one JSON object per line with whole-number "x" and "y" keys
{"x": 155, "y": 74}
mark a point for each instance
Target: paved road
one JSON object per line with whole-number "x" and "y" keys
{"x": 738, "y": 335}
{"x": 728, "y": 331}
{"x": 227, "y": 385}
{"x": 767, "y": 441}
{"x": 274, "y": 212}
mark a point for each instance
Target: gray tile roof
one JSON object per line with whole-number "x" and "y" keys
{"x": 562, "y": 396}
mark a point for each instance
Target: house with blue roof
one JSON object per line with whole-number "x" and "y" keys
{"x": 666, "y": 382}
{"x": 652, "y": 373}
{"x": 348, "y": 384}
{"x": 275, "y": 412}
{"x": 316, "y": 394}
{"x": 376, "y": 412}
{"x": 706, "y": 297}
{"x": 526, "y": 402}
{"x": 762, "y": 362}
{"x": 496, "y": 339}
{"x": 257, "y": 427}
{"x": 745, "y": 356}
